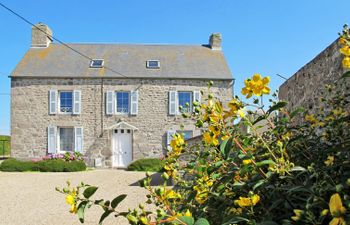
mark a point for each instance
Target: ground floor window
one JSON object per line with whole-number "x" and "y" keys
{"x": 66, "y": 139}
{"x": 188, "y": 134}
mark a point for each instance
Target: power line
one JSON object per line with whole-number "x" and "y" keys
{"x": 56, "y": 39}
{"x": 282, "y": 76}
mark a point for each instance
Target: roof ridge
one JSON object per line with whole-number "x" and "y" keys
{"x": 136, "y": 44}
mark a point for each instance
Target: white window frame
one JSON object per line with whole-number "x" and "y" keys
{"x": 152, "y": 67}
{"x": 58, "y": 147}
{"x": 59, "y": 102}
{"x": 116, "y": 103}
{"x": 92, "y": 62}
{"x": 191, "y": 103}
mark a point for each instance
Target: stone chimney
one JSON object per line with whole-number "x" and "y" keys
{"x": 215, "y": 41}
{"x": 39, "y": 38}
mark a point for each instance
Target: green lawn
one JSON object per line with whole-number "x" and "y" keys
{"x": 5, "y": 146}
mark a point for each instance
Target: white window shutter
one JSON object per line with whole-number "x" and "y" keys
{"x": 196, "y": 97}
{"x": 134, "y": 96}
{"x": 53, "y": 101}
{"x": 78, "y": 139}
{"x": 110, "y": 102}
{"x": 76, "y": 102}
{"x": 51, "y": 139}
{"x": 170, "y": 134}
{"x": 173, "y": 104}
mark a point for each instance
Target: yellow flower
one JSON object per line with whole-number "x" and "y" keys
{"x": 70, "y": 199}
{"x": 257, "y": 86}
{"x": 247, "y": 161}
{"x": 245, "y": 202}
{"x": 346, "y": 62}
{"x": 310, "y": 118}
{"x": 255, "y": 199}
{"x": 345, "y": 50}
{"x": 210, "y": 139}
{"x": 177, "y": 143}
{"x": 337, "y": 210}
{"x": 342, "y": 41}
{"x": 324, "y": 212}
{"x": 241, "y": 113}
{"x": 73, "y": 209}
{"x": 297, "y": 213}
{"x": 188, "y": 213}
{"x": 329, "y": 161}
{"x": 170, "y": 194}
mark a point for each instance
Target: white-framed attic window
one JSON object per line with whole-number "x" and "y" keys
{"x": 96, "y": 63}
{"x": 153, "y": 64}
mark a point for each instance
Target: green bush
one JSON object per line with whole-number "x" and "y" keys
{"x": 13, "y": 165}
{"x": 55, "y": 165}
{"x": 151, "y": 165}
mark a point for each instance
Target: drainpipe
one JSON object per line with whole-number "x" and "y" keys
{"x": 101, "y": 102}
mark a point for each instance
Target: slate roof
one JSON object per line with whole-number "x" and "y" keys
{"x": 177, "y": 61}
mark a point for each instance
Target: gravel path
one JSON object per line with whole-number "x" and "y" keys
{"x": 30, "y": 198}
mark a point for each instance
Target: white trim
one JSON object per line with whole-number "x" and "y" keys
{"x": 122, "y": 125}
{"x": 153, "y": 67}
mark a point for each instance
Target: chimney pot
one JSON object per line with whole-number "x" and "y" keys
{"x": 39, "y": 38}
{"x": 215, "y": 41}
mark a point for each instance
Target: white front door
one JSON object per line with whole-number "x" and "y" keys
{"x": 122, "y": 148}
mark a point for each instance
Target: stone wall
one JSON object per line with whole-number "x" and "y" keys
{"x": 306, "y": 86}
{"x": 30, "y": 115}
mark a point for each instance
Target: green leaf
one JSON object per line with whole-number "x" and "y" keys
{"x": 346, "y": 74}
{"x": 225, "y": 147}
{"x": 277, "y": 106}
{"x": 104, "y": 216}
{"x": 81, "y": 210}
{"x": 235, "y": 219}
{"x": 260, "y": 118}
{"x": 88, "y": 192}
{"x": 188, "y": 220}
{"x": 115, "y": 202}
{"x": 201, "y": 221}
{"x": 296, "y": 112}
{"x": 258, "y": 184}
{"x": 298, "y": 168}
{"x": 267, "y": 223}
{"x": 265, "y": 162}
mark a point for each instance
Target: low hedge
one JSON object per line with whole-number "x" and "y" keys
{"x": 148, "y": 164}
{"x": 54, "y": 165}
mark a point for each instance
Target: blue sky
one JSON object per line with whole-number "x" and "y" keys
{"x": 265, "y": 36}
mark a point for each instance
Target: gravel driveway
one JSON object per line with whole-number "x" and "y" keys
{"x": 30, "y": 198}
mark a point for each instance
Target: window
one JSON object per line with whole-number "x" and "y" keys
{"x": 66, "y": 139}
{"x": 123, "y": 99}
{"x": 66, "y": 101}
{"x": 153, "y": 64}
{"x": 96, "y": 63}
{"x": 185, "y": 98}
{"x": 188, "y": 134}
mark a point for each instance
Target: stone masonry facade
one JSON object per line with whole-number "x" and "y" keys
{"x": 31, "y": 118}
{"x": 306, "y": 86}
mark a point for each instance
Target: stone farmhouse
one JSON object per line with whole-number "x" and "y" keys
{"x": 119, "y": 104}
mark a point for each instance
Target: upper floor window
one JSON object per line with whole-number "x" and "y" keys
{"x": 96, "y": 63}
{"x": 123, "y": 102}
{"x": 153, "y": 64}
{"x": 66, "y": 101}
{"x": 185, "y": 100}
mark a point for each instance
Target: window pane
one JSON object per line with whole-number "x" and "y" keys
{"x": 122, "y": 102}
{"x": 186, "y": 133}
{"x": 185, "y": 97}
{"x": 67, "y": 139}
{"x": 66, "y": 101}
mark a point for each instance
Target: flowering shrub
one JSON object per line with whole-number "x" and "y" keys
{"x": 295, "y": 172}
{"x": 67, "y": 156}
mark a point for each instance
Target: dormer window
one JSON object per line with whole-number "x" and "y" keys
{"x": 96, "y": 63}
{"x": 153, "y": 64}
